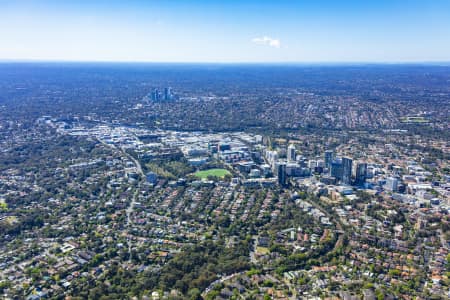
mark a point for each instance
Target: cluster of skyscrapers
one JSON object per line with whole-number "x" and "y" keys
{"x": 334, "y": 169}
{"x": 341, "y": 169}
{"x": 167, "y": 95}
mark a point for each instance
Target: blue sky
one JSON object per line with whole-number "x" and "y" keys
{"x": 226, "y": 31}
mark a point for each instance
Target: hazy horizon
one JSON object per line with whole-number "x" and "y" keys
{"x": 230, "y": 63}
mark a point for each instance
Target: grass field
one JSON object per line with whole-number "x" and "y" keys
{"x": 262, "y": 250}
{"x": 413, "y": 119}
{"x": 212, "y": 172}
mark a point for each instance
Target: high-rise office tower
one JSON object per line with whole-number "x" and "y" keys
{"x": 346, "y": 170}
{"x": 156, "y": 96}
{"x": 336, "y": 169}
{"x": 167, "y": 93}
{"x": 291, "y": 153}
{"x": 328, "y": 158}
{"x": 281, "y": 173}
{"x": 361, "y": 173}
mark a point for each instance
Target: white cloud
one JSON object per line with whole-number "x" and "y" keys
{"x": 268, "y": 41}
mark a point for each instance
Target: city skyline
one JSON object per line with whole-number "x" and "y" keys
{"x": 225, "y": 32}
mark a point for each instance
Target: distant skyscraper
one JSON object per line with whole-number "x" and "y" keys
{"x": 167, "y": 93}
{"x": 156, "y": 96}
{"x": 361, "y": 173}
{"x": 346, "y": 170}
{"x": 281, "y": 173}
{"x": 291, "y": 153}
{"x": 328, "y": 158}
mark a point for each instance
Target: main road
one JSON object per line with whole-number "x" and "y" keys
{"x": 130, "y": 208}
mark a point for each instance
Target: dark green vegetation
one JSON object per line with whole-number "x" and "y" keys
{"x": 54, "y": 153}
{"x": 171, "y": 169}
{"x": 194, "y": 268}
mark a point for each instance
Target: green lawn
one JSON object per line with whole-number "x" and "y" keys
{"x": 262, "y": 250}
{"x": 212, "y": 172}
{"x": 413, "y": 119}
